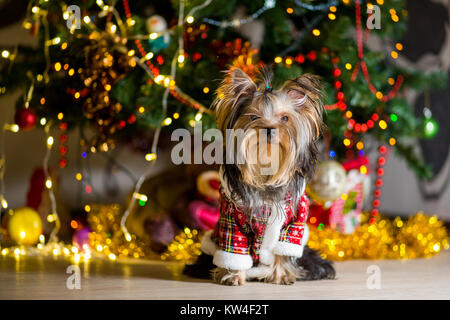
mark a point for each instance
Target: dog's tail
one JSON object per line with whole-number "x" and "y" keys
{"x": 201, "y": 268}
{"x": 314, "y": 267}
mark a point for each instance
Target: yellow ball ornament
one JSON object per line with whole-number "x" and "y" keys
{"x": 25, "y": 226}
{"x": 328, "y": 182}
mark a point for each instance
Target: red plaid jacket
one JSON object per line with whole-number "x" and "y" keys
{"x": 238, "y": 233}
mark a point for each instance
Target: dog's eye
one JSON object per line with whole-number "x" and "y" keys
{"x": 284, "y": 119}
{"x": 253, "y": 117}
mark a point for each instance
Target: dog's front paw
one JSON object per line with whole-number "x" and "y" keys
{"x": 228, "y": 277}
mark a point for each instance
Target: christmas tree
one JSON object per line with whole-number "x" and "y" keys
{"x": 125, "y": 68}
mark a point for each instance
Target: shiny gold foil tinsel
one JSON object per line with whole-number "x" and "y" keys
{"x": 417, "y": 237}
{"x": 107, "y": 237}
{"x": 184, "y": 248}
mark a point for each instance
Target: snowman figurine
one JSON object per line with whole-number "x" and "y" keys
{"x": 158, "y": 25}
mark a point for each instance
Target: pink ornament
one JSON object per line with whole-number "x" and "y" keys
{"x": 203, "y": 215}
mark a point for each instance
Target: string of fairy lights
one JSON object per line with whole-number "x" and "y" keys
{"x": 146, "y": 60}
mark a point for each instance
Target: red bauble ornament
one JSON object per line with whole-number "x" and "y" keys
{"x": 25, "y": 118}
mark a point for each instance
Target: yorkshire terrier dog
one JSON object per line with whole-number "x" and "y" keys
{"x": 262, "y": 233}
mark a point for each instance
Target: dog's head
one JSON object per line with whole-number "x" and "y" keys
{"x": 278, "y": 128}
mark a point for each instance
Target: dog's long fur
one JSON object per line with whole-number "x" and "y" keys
{"x": 295, "y": 111}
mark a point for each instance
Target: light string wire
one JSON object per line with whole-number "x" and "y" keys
{"x": 49, "y": 185}
{"x": 319, "y": 7}
{"x": 268, "y": 4}
{"x": 201, "y": 6}
{"x": 4, "y": 203}
{"x": 158, "y": 129}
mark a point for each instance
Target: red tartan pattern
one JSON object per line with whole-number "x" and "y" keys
{"x": 238, "y": 233}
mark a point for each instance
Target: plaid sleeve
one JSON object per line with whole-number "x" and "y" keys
{"x": 295, "y": 234}
{"x": 230, "y": 235}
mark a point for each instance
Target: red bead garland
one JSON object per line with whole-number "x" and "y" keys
{"x": 383, "y": 154}
{"x": 362, "y": 63}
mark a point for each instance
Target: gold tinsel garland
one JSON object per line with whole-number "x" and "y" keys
{"x": 107, "y": 237}
{"x": 185, "y": 247}
{"x": 418, "y": 236}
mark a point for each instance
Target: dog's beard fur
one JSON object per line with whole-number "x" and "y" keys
{"x": 294, "y": 112}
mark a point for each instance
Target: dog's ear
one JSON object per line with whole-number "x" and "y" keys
{"x": 306, "y": 94}
{"x": 241, "y": 82}
{"x": 235, "y": 90}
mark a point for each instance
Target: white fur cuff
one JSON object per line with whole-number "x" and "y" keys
{"x": 207, "y": 245}
{"x": 232, "y": 261}
{"x": 288, "y": 249}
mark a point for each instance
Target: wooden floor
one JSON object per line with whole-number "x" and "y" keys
{"x": 45, "y": 278}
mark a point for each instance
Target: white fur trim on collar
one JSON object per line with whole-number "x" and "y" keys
{"x": 207, "y": 245}
{"x": 232, "y": 261}
{"x": 271, "y": 234}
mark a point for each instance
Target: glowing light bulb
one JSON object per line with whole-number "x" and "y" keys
{"x": 159, "y": 79}
{"x": 347, "y": 142}
{"x": 363, "y": 169}
{"x": 190, "y": 19}
{"x": 167, "y": 121}
{"x": 149, "y": 55}
{"x": 48, "y": 183}
{"x": 150, "y": 156}
{"x": 14, "y": 128}
{"x": 198, "y": 116}
{"x": 5, "y": 54}
{"x": 392, "y": 141}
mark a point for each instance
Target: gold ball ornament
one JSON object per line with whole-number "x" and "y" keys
{"x": 328, "y": 182}
{"x": 25, "y": 226}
